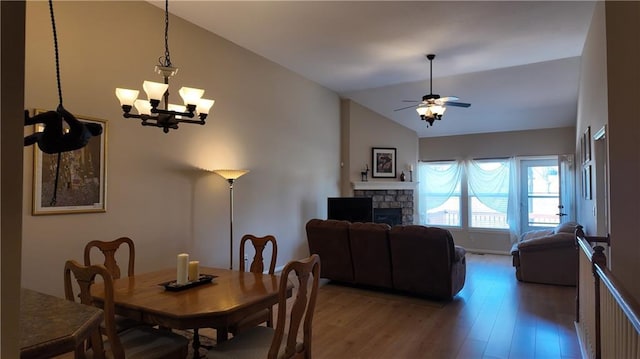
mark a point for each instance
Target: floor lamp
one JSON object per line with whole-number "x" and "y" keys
{"x": 230, "y": 176}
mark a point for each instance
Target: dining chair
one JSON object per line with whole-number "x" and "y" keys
{"x": 142, "y": 342}
{"x": 281, "y": 342}
{"x": 108, "y": 250}
{"x": 256, "y": 266}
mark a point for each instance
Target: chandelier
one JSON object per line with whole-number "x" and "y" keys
{"x": 430, "y": 111}
{"x": 168, "y": 117}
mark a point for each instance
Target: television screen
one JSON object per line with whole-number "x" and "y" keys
{"x": 352, "y": 209}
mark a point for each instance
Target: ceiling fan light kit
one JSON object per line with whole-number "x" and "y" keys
{"x": 432, "y": 106}
{"x": 171, "y": 115}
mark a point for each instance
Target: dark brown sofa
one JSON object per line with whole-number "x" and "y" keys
{"x": 413, "y": 259}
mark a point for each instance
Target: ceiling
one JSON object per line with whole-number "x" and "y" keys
{"x": 516, "y": 62}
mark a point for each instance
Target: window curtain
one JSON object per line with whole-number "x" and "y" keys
{"x": 493, "y": 184}
{"x": 437, "y": 182}
{"x": 514, "y": 206}
{"x": 485, "y": 182}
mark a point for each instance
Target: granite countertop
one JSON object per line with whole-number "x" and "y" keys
{"x": 51, "y": 325}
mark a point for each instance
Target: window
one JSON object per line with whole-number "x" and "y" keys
{"x": 440, "y": 193}
{"x": 516, "y": 194}
{"x": 488, "y": 184}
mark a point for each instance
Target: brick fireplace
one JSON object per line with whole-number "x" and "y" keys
{"x": 389, "y": 195}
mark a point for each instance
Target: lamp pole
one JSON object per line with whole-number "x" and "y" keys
{"x": 230, "y": 180}
{"x": 230, "y": 176}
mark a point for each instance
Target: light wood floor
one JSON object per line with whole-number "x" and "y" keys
{"x": 494, "y": 316}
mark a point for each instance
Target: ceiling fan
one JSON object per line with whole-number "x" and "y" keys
{"x": 432, "y": 106}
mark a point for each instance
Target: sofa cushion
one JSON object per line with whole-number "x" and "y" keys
{"x": 569, "y": 227}
{"x": 421, "y": 259}
{"x": 547, "y": 242}
{"x": 330, "y": 240}
{"x": 370, "y": 254}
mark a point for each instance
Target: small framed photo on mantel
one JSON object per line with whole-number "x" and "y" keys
{"x": 383, "y": 162}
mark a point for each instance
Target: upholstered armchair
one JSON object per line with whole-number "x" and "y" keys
{"x": 547, "y": 256}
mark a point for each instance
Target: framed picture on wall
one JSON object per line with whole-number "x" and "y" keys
{"x": 586, "y": 145}
{"x": 80, "y": 184}
{"x": 383, "y": 162}
{"x": 586, "y": 182}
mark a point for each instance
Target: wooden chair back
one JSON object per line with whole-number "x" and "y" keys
{"x": 307, "y": 273}
{"x": 259, "y": 244}
{"x": 109, "y": 249}
{"x": 85, "y": 277}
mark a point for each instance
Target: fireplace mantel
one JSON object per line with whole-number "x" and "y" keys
{"x": 383, "y": 185}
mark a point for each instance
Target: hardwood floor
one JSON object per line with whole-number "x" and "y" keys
{"x": 494, "y": 316}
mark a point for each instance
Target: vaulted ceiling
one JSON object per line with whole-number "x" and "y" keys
{"x": 516, "y": 62}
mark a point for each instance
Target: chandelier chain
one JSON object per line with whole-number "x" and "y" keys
{"x": 167, "y": 56}
{"x": 55, "y": 45}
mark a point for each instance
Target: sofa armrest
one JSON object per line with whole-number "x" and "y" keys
{"x": 559, "y": 240}
{"x": 460, "y": 253}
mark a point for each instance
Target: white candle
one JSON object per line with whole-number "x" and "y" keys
{"x": 194, "y": 271}
{"x": 410, "y": 167}
{"x": 183, "y": 268}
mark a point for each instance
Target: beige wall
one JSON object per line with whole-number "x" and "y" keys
{"x": 592, "y": 103}
{"x": 11, "y": 114}
{"x": 282, "y": 127}
{"x": 623, "y": 130}
{"x": 500, "y": 144}
{"x": 367, "y": 129}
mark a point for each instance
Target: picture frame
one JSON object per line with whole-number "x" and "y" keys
{"x": 82, "y": 185}
{"x": 586, "y": 145}
{"x": 383, "y": 160}
{"x": 586, "y": 182}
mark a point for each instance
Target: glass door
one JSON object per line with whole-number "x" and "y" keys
{"x": 540, "y": 194}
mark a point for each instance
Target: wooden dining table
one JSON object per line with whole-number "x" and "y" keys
{"x": 229, "y": 297}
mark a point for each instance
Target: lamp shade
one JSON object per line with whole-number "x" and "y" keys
{"x": 143, "y": 107}
{"x": 230, "y": 174}
{"x": 154, "y": 90}
{"x": 204, "y": 105}
{"x": 126, "y": 96}
{"x": 190, "y": 95}
{"x": 422, "y": 110}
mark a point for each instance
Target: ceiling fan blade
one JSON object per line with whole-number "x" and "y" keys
{"x": 449, "y": 98}
{"x": 404, "y": 108}
{"x": 457, "y": 104}
{"x": 411, "y": 100}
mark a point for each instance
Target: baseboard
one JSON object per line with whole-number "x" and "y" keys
{"x": 487, "y": 251}
{"x": 584, "y": 352}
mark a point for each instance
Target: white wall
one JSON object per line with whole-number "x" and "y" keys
{"x": 623, "y": 92}
{"x": 366, "y": 129}
{"x": 282, "y": 127}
